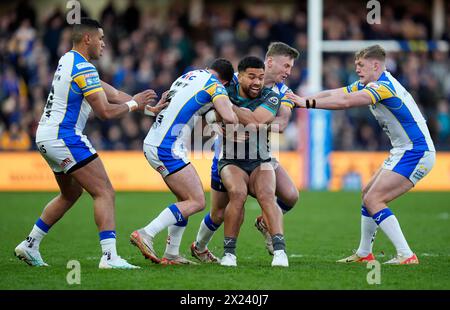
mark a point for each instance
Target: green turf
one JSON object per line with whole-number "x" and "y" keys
{"x": 321, "y": 229}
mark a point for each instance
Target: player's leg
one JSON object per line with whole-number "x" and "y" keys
{"x": 388, "y": 186}
{"x": 286, "y": 195}
{"x": 184, "y": 182}
{"x": 262, "y": 183}
{"x": 368, "y": 231}
{"x": 368, "y": 226}
{"x": 397, "y": 177}
{"x": 70, "y": 191}
{"x": 235, "y": 180}
{"x": 191, "y": 200}
{"x": 209, "y": 225}
{"x": 214, "y": 218}
{"x": 91, "y": 175}
{"x": 286, "y": 191}
{"x": 186, "y": 185}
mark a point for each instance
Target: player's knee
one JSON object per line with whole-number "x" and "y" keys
{"x": 109, "y": 193}
{"x": 265, "y": 197}
{"x": 199, "y": 203}
{"x": 217, "y": 216}
{"x": 72, "y": 195}
{"x": 370, "y": 200}
{"x": 103, "y": 190}
{"x": 238, "y": 194}
{"x": 364, "y": 192}
{"x": 75, "y": 194}
{"x": 291, "y": 197}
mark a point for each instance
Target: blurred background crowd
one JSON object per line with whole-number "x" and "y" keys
{"x": 148, "y": 46}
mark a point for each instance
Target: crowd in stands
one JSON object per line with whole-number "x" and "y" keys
{"x": 149, "y": 48}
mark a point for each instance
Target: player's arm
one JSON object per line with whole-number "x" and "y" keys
{"x": 326, "y": 93}
{"x": 223, "y": 107}
{"x": 105, "y": 110}
{"x": 114, "y": 95}
{"x": 336, "y": 101}
{"x": 281, "y": 121}
{"x": 91, "y": 87}
{"x": 260, "y": 116}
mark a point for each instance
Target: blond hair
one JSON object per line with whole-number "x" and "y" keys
{"x": 282, "y": 49}
{"x": 374, "y": 51}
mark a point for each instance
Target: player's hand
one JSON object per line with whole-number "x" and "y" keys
{"x": 299, "y": 101}
{"x": 154, "y": 110}
{"x": 144, "y": 98}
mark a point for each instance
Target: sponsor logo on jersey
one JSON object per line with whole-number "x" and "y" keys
{"x": 84, "y": 65}
{"x": 189, "y": 76}
{"x": 220, "y": 90}
{"x": 92, "y": 79}
{"x": 273, "y": 100}
{"x": 160, "y": 169}
{"x": 65, "y": 162}
{"x": 373, "y": 85}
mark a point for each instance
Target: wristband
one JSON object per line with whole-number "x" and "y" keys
{"x": 311, "y": 105}
{"x": 132, "y": 105}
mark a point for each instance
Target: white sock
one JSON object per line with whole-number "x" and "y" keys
{"x": 368, "y": 232}
{"x": 109, "y": 247}
{"x": 174, "y": 240}
{"x": 164, "y": 219}
{"x": 204, "y": 236}
{"x": 391, "y": 228}
{"x": 35, "y": 237}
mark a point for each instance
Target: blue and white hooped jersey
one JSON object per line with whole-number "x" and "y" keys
{"x": 192, "y": 94}
{"x": 397, "y": 113}
{"x": 66, "y": 111}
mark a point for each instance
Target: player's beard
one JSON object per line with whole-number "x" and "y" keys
{"x": 252, "y": 94}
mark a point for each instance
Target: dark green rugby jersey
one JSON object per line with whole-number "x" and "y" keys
{"x": 257, "y": 146}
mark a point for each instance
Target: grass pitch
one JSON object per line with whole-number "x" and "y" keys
{"x": 322, "y": 228}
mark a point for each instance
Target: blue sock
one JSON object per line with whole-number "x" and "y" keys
{"x": 181, "y": 221}
{"x": 368, "y": 232}
{"x": 380, "y": 216}
{"x": 364, "y": 211}
{"x": 108, "y": 243}
{"x": 42, "y": 225}
{"x": 205, "y": 232}
{"x": 107, "y": 234}
{"x": 39, "y": 231}
{"x": 209, "y": 223}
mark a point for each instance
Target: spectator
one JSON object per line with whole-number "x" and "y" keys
{"x": 151, "y": 47}
{"x": 15, "y": 139}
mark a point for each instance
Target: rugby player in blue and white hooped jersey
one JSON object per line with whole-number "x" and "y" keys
{"x": 411, "y": 158}
{"x": 190, "y": 96}
{"x": 279, "y": 61}
{"x": 76, "y": 90}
